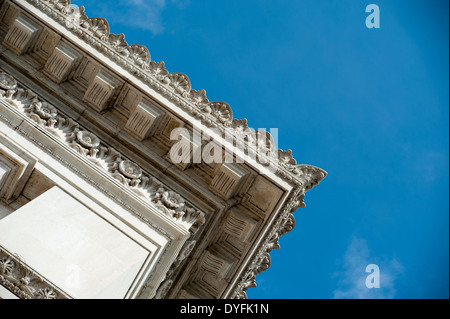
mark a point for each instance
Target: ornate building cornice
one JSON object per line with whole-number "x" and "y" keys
{"x": 175, "y": 86}
{"x": 288, "y": 187}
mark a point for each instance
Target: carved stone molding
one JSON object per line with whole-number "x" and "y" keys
{"x": 260, "y": 261}
{"x": 24, "y": 282}
{"x": 87, "y": 144}
{"x": 175, "y": 86}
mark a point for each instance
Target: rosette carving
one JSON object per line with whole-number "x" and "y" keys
{"x": 87, "y": 139}
{"x": 7, "y": 85}
{"x": 222, "y": 112}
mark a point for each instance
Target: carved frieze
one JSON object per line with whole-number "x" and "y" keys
{"x": 175, "y": 86}
{"x": 24, "y": 282}
{"x": 104, "y": 156}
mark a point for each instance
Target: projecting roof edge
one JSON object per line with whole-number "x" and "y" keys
{"x": 176, "y": 86}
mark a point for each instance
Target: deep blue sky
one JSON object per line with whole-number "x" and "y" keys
{"x": 370, "y": 106}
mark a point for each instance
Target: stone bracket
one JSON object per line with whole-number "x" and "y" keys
{"x": 228, "y": 180}
{"x": 21, "y": 35}
{"x": 142, "y": 121}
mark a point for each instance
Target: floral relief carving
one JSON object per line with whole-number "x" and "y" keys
{"x": 139, "y": 54}
{"x": 130, "y": 169}
{"x": 117, "y": 41}
{"x": 222, "y": 112}
{"x": 87, "y": 139}
{"x": 304, "y": 176}
{"x": 158, "y": 70}
{"x": 7, "y": 85}
{"x": 172, "y": 200}
{"x": 45, "y": 110}
{"x": 241, "y": 129}
{"x": 46, "y": 293}
{"x": 99, "y": 27}
{"x": 179, "y": 82}
{"x": 89, "y": 145}
{"x": 6, "y": 266}
{"x": 22, "y": 281}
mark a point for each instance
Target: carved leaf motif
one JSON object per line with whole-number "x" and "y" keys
{"x": 6, "y": 266}
{"x": 198, "y": 97}
{"x": 158, "y": 70}
{"x": 264, "y": 264}
{"x": 23, "y": 99}
{"x": 241, "y": 128}
{"x": 107, "y": 158}
{"x": 309, "y": 175}
{"x": 194, "y": 217}
{"x": 179, "y": 82}
{"x": 60, "y": 5}
{"x": 117, "y": 42}
{"x": 63, "y": 128}
{"x": 263, "y": 141}
{"x": 139, "y": 54}
{"x": 286, "y": 159}
{"x": 99, "y": 27}
{"x": 46, "y": 293}
{"x": 76, "y": 17}
{"x": 287, "y": 226}
{"x": 273, "y": 243}
{"x": 89, "y": 145}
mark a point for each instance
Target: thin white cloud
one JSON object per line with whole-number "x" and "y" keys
{"x": 352, "y": 277}
{"x": 142, "y": 14}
